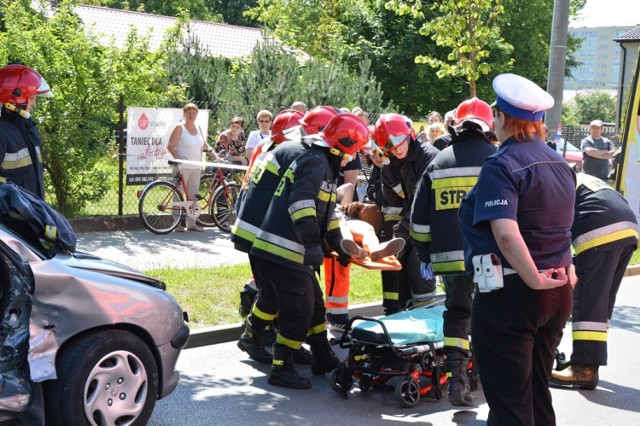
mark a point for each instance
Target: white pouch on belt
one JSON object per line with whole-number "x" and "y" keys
{"x": 487, "y": 272}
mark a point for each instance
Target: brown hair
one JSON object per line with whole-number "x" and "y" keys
{"x": 238, "y": 120}
{"x": 189, "y": 106}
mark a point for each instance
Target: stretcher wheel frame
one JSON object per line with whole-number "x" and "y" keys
{"x": 341, "y": 380}
{"x": 408, "y": 392}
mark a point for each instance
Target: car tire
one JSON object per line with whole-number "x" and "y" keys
{"x": 104, "y": 378}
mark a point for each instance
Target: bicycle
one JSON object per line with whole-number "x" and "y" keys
{"x": 162, "y": 206}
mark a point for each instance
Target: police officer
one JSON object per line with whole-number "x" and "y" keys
{"x": 605, "y": 235}
{"x": 263, "y": 180}
{"x": 408, "y": 159}
{"x": 437, "y": 237}
{"x": 289, "y": 247}
{"x": 519, "y": 215}
{"x": 20, "y": 157}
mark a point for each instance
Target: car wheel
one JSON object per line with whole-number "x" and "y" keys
{"x": 107, "y": 378}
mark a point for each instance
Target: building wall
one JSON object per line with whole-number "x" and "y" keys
{"x": 600, "y": 58}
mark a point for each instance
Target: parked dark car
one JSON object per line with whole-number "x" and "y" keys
{"x": 103, "y": 338}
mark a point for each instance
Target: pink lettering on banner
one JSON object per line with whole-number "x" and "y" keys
{"x": 157, "y": 152}
{"x": 143, "y": 122}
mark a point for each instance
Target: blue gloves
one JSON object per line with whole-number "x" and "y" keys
{"x": 313, "y": 256}
{"x": 425, "y": 271}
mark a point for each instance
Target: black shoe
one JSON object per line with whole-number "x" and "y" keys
{"x": 282, "y": 372}
{"x": 302, "y": 356}
{"x": 323, "y": 359}
{"x": 255, "y": 350}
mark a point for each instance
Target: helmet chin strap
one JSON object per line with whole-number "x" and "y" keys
{"x": 341, "y": 154}
{"x": 23, "y": 112}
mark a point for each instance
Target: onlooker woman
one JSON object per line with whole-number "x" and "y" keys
{"x": 435, "y": 131}
{"x": 256, "y": 137}
{"x": 187, "y": 143}
{"x": 516, "y": 223}
{"x": 231, "y": 142}
{"x": 434, "y": 117}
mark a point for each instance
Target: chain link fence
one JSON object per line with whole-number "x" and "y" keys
{"x": 109, "y": 204}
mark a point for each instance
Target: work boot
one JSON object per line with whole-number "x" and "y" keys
{"x": 582, "y": 376}
{"x": 459, "y": 394}
{"x": 389, "y": 248}
{"x": 352, "y": 249}
{"x": 251, "y": 342}
{"x": 302, "y": 356}
{"x": 282, "y": 372}
{"x": 323, "y": 359}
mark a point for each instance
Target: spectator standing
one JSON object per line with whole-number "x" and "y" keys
{"x": 20, "y": 156}
{"x": 437, "y": 236}
{"x": 299, "y": 106}
{"x": 597, "y": 151}
{"x": 605, "y": 235}
{"x": 256, "y": 137}
{"x": 434, "y": 117}
{"x": 231, "y": 142}
{"x": 443, "y": 141}
{"x": 187, "y": 143}
{"x": 434, "y": 131}
{"x": 516, "y": 223}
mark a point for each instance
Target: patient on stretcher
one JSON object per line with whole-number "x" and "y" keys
{"x": 360, "y": 241}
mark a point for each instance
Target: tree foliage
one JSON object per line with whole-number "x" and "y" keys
{"x": 466, "y": 29}
{"x": 77, "y": 124}
{"x": 595, "y": 106}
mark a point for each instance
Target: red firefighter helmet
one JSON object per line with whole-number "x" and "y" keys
{"x": 392, "y": 130}
{"x": 19, "y": 83}
{"x": 346, "y": 133}
{"x": 316, "y": 119}
{"x": 475, "y": 111}
{"x": 285, "y": 119}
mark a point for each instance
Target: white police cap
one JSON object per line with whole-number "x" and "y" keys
{"x": 521, "y": 98}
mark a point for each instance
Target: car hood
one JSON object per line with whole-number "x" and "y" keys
{"x": 89, "y": 262}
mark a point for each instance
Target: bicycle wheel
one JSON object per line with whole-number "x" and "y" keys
{"x": 223, "y": 205}
{"x": 205, "y": 195}
{"x": 156, "y": 207}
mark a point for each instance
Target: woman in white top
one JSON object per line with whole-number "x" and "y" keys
{"x": 257, "y": 137}
{"x": 187, "y": 143}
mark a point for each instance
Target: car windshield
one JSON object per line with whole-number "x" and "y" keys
{"x": 570, "y": 147}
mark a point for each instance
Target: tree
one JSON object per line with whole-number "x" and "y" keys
{"x": 595, "y": 106}
{"x": 87, "y": 79}
{"x": 466, "y": 29}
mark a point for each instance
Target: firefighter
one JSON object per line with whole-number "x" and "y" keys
{"x": 436, "y": 233}
{"x": 394, "y": 135}
{"x": 289, "y": 247}
{"x": 20, "y": 157}
{"x": 264, "y": 177}
{"x": 605, "y": 235}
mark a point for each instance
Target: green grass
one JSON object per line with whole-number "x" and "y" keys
{"x": 211, "y": 296}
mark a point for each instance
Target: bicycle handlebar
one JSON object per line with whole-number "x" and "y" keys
{"x": 176, "y": 162}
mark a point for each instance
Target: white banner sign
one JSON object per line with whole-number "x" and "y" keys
{"x": 148, "y": 132}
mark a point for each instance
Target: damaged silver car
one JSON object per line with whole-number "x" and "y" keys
{"x": 83, "y": 340}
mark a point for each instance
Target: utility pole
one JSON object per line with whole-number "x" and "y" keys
{"x": 557, "y": 61}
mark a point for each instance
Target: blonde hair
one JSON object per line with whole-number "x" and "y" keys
{"x": 439, "y": 128}
{"x": 264, "y": 114}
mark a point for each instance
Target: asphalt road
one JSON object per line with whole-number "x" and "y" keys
{"x": 220, "y": 385}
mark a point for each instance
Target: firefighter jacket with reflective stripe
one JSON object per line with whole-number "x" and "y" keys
{"x": 434, "y": 218}
{"x": 302, "y": 211}
{"x": 20, "y": 159}
{"x": 407, "y": 172}
{"x": 602, "y": 216}
{"x": 263, "y": 180}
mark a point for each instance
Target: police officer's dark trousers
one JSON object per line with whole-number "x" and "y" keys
{"x": 600, "y": 271}
{"x": 515, "y": 332}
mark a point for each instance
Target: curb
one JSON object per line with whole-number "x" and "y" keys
{"x": 231, "y": 332}
{"x": 106, "y": 223}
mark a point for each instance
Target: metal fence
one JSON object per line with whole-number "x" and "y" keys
{"x": 108, "y": 205}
